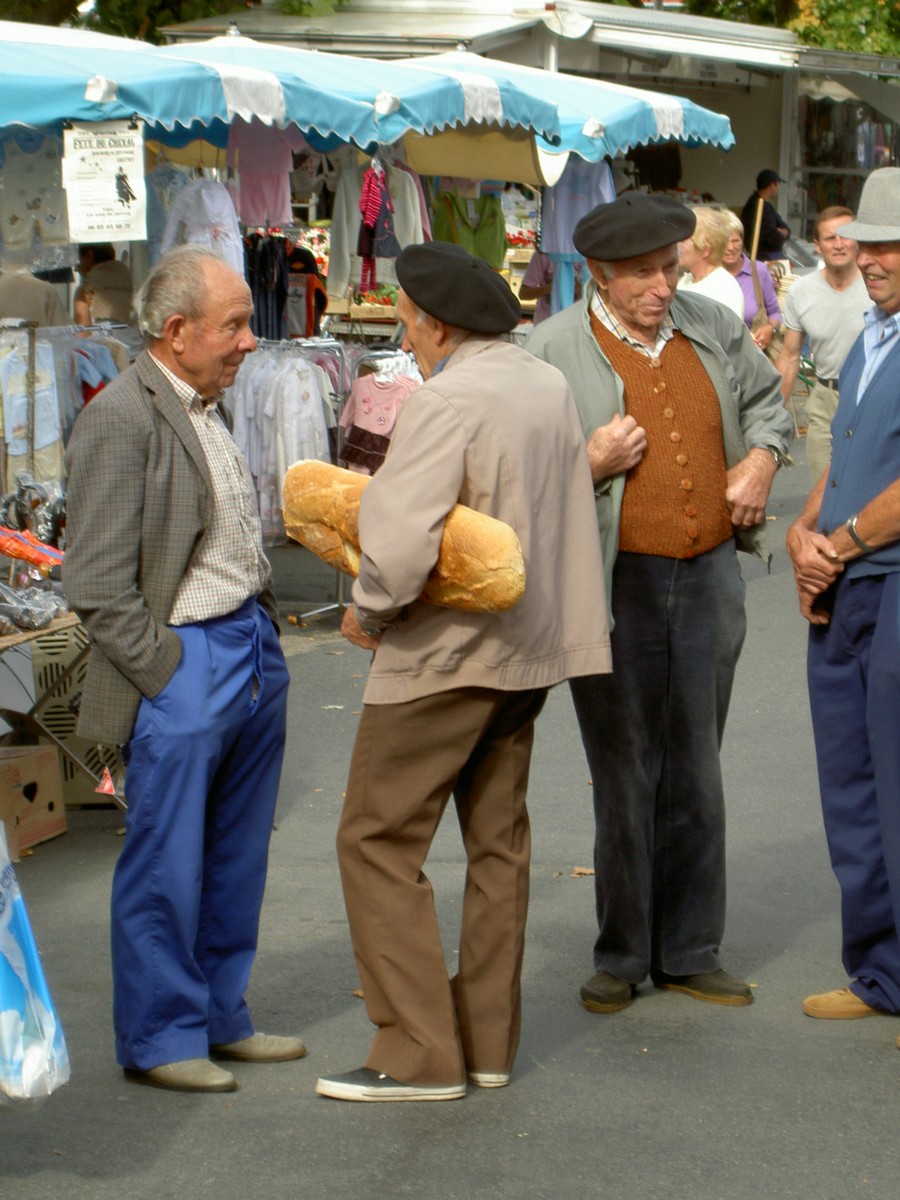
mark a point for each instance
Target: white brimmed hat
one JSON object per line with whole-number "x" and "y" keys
{"x": 878, "y": 216}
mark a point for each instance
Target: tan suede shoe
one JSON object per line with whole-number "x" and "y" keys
{"x": 189, "y": 1075}
{"x": 261, "y": 1048}
{"x": 839, "y": 1005}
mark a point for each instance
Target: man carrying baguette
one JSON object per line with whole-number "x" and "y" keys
{"x": 685, "y": 430}
{"x": 452, "y": 695}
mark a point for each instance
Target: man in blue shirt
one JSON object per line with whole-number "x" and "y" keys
{"x": 845, "y": 548}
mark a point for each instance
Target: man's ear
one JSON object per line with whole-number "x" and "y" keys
{"x": 173, "y": 332}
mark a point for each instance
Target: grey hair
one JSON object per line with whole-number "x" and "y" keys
{"x": 176, "y": 285}
{"x": 732, "y": 222}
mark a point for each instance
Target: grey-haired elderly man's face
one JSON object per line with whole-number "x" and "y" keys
{"x": 880, "y": 266}
{"x": 640, "y": 290}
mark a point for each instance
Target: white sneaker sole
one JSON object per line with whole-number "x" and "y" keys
{"x": 397, "y": 1091}
{"x": 484, "y": 1079}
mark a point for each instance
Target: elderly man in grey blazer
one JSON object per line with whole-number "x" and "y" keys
{"x": 164, "y": 565}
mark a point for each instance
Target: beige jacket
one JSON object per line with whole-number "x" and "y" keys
{"x": 498, "y": 431}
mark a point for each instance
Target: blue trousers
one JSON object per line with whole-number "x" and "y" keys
{"x": 853, "y": 669}
{"x": 203, "y": 766}
{"x": 652, "y": 731}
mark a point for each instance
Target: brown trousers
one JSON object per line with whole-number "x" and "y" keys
{"x": 475, "y": 744}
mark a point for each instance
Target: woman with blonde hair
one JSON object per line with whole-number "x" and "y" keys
{"x": 739, "y": 265}
{"x": 701, "y": 257}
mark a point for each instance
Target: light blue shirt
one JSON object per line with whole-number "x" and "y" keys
{"x": 878, "y": 339}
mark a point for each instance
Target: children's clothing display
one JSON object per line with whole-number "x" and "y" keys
{"x": 369, "y": 415}
{"x": 203, "y": 214}
{"x": 376, "y": 231}
{"x": 263, "y": 156}
{"x": 282, "y": 406}
{"x": 344, "y": 264}
{"x": 32, "y": 199}
{"x": 475, "y": 223}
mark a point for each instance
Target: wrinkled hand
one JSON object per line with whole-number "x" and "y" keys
{"x": 747, "y": 487}
{"x": 764, "y": 335}
{"x": 354, "y": 632}
{"x": 816, "y": 566}
{"x": 615, "y": 447}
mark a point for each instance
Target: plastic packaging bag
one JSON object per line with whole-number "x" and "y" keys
{"x": 34, "y": 1060}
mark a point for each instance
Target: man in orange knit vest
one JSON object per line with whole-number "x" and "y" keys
{"x": 685, "y": 429}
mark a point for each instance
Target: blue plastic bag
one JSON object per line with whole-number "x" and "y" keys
{"x": 34, "y": 1060}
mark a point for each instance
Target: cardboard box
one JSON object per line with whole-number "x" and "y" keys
{"x": 31, "y": 799}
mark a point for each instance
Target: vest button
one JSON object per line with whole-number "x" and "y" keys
{"x": 675, "y": 436}
{"x": 692, "y": 531}
{"x": 848, "y": 433}
{"x": 681, "y": 459}
{"x": 690, "y": 510}
{"x": 686, "y": 485}
{"x": 669, "y": 413}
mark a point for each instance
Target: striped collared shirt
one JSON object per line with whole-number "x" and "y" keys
{"x": 879, "y": 332}
{"x": 610, "y": 321}
{"x": 229, "y": 566}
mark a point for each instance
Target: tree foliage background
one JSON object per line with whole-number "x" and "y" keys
{"x": 864, "y": 26}
{"x": 142, "y": 18}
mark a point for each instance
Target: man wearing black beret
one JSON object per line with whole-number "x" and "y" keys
{"x": 685, "y": 430}
{"x": 452, "y": 695}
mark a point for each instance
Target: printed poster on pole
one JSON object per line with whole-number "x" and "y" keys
{"x": 103, "y": 174}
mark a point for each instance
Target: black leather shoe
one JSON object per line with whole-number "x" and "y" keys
{"x": 604, "y": 993}
{"x": 715, "y": 987}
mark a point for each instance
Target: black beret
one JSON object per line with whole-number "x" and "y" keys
{"x": 449, "y": 283}
{"x": 633, "y": 225}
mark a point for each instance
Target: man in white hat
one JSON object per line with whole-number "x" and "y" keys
{"x": 845, "y": 547}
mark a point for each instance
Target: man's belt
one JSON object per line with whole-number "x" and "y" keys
{"x": 832, "y": 384}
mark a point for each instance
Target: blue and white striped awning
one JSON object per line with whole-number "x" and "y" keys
{"x": 597, "y": 118}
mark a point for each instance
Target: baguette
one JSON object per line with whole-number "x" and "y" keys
{"x": 480, "y": 566}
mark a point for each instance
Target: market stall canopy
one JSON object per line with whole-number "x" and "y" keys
{"x": 51, "y": 75}
{"x": 397, "y": 99}
{"x": 596, "y": 118}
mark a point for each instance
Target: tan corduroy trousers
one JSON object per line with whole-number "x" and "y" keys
{"x": 408, "y": 759}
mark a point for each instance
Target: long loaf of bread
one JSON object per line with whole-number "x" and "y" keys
{"x": 480, "y": 566}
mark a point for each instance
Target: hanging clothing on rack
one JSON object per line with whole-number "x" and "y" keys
{"x": 369, "y": 416}
{"x": 164, "y": 183}
{"x": 263, "y": 157}
{"x": 376, "y": 231}
{"x": 281, "y": 405}
{"x": 344, "y": 264}
{"x": 306, "y": 295}
{"x": 203, "y": 214}
{"x": 475, "y": 223}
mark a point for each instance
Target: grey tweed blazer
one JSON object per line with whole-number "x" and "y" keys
{"x": 138, "y": 504}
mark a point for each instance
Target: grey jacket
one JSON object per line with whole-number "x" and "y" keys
{"x": 138, "y": 503}
{"x": 746, "y": 383}
{"x": 498, "y": 432}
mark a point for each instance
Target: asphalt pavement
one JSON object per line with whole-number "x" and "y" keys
{"x": 671, "y": 1098}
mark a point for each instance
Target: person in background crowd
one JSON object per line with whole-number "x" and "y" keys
{"x": 537, "y": 284}
{"x": 827, "y": 308}
{"x": 701, "y": 256}
{"x": 452, "y": 696}
{"x": 165, "y": 567}
{"x": 737, "y": 263}
{"x": 685, "y": 430}
{"x": 845, "y": 548}
{"x": 106, "y": 289}
{"x": 773, "y": 229}
{"x": 26, "y": 298}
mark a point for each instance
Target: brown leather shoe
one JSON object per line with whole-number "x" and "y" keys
{"x": 261, "y": 1048}
{"x": 188, "y": 1075}
{"x": 605, "y": 993}
{"x": 715, "y": 987}
{"x": 839, "y": 1005}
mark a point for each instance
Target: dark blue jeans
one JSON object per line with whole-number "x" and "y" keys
{"x": 652, "y": 731}
{"x": 854, "y": 691}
